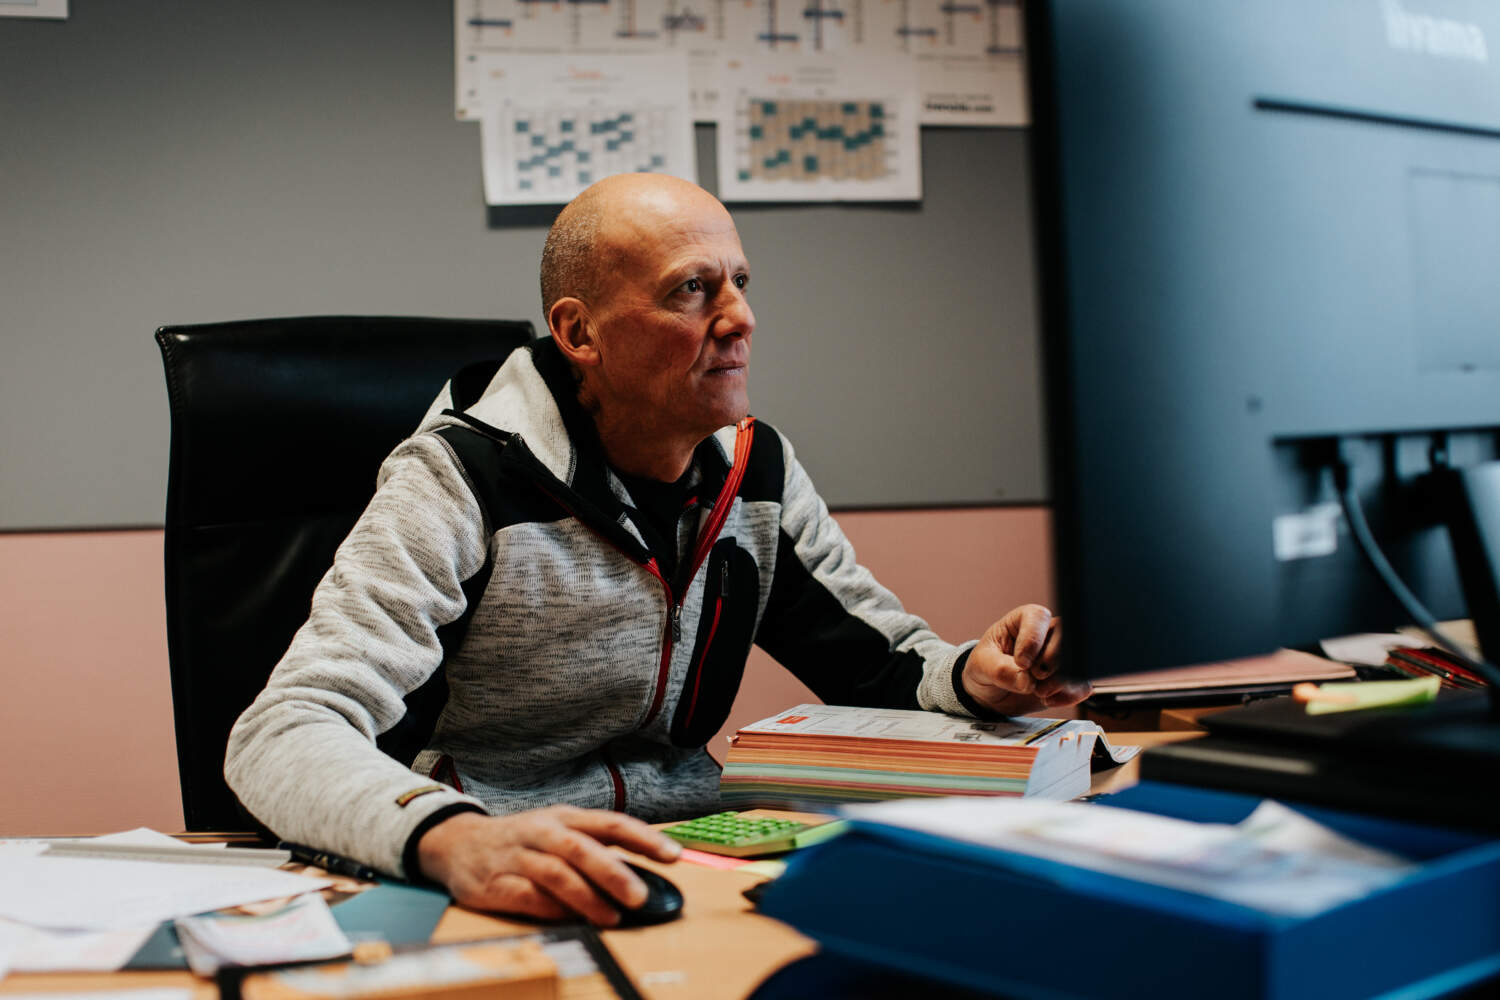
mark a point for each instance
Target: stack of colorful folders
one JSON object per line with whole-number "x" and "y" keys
{"x": 815, "y": 755}
{"x": 1432, "y": 661}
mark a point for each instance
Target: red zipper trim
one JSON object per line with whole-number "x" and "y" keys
{"x": 619, "y": 783}
{"x": 745, "y": 434}
{"x": 446, "y": 765}
{"x": 665, "y": 666}
{"x": 742, "y": 440}
{"x": 651, "y": 566}
{"x": 698, "y": 679}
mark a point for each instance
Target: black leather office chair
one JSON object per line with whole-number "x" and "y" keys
{"x": 278, "y": 428}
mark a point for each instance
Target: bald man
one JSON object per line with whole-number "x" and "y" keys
{"x": 586, "y": 541}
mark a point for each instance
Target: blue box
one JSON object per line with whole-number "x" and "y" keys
{"x": 1008, "y": 923}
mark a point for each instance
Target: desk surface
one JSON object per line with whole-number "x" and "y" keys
{"x": 719, "y": 950}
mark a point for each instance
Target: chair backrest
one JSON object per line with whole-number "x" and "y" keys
{"x": 278, "y": 428}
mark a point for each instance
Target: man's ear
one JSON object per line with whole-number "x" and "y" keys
{"x": 573, "y": 329}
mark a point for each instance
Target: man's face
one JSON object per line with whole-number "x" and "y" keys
{"x": 672, "y": 322}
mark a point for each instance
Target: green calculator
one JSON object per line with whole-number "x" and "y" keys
{"x": 741, "y": 836}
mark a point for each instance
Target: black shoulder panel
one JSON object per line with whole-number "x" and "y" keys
{"x": 505, "y": 498}
{"x": 843, "y": 659}
{"x": 765, "y": 476}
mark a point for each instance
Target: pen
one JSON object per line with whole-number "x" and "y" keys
{"x": 1044, "y": 731}
{"x": 334, "y": 864}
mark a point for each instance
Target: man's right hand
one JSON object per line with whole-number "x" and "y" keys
{"x": 550, "y": 863}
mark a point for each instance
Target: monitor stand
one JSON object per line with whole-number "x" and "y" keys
{"x": 1470, "y": 499}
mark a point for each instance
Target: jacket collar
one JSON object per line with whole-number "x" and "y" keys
{"x": 534, "y": 395}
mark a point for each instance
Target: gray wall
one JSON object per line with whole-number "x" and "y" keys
{"x": 175, "y": 161}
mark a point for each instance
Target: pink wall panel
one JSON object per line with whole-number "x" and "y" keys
{"x": 86, "y": 716}
{"x": 86, "y": 712}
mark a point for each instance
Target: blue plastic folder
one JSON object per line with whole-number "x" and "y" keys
{"x": 392, "y": 911}
{"x": 1002, "y": 922}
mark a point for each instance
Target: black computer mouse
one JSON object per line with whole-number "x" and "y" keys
{"x": 663, "y": 900}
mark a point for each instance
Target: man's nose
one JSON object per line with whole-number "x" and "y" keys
{"x": 735, "y": 319}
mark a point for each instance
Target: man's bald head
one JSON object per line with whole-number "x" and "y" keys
{"x": 644, "y": 282}
{"x": 579, "y": 250}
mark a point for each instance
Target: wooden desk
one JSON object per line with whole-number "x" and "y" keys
{"x": 719, "y": 950}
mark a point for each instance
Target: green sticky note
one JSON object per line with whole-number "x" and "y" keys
{"x": 1352, "y": 696}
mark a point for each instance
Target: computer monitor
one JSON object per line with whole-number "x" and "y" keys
{"x": 1269, "y": 237}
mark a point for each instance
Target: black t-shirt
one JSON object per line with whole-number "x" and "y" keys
{"x": 660, "y": 506}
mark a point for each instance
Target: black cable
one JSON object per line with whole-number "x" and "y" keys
{"x": 1415, "y": 609}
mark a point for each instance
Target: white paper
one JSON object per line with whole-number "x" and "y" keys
{"x": 303, "y": 930}
{"x": 970, "y": 64}
{"x": 699, "y": 29}
{"x": 481, "y": 28}
{"x": 38, "y": 950}
{"x": 968, "y": 67}
{"x": 102, "y": 894}
{"x": 967, "y": 62}
{"x": 22, "y": 848}
{"x": 554, "y": 125}
{"x": 1276, "y": 827}
{"x": 1267, "y": 862}
{"x": 141, "y": 836}
{"x": 10, "y": 943}
{"x": 1367, "y": 648}
{"x": 157, "y": 993}
{"x": 144, "y": 836}
{"x": 33, "y": 8}
{"x": 911, "y": 724}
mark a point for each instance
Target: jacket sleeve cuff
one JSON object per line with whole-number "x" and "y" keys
{"x": 410, "y": 867}
{"x": 968, "y": 701}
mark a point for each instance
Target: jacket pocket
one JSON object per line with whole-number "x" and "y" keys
{"x": 726, "y": 627}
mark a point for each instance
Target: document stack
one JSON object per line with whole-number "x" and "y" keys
{"x": 1434, "y": 661}
{"x": 820, "y": 754}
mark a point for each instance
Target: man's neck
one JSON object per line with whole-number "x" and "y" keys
{"x": 640, "y": 452}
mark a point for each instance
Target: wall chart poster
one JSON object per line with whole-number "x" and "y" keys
{"x": 554, "y": 124}
{"x": 816, "y": 129}
{"x": 970, "y": 67}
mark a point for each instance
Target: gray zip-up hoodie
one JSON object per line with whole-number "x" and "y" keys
{"x": 500, "y": 558}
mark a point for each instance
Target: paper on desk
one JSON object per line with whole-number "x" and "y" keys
{"x": 144, "y": 836}
{"x": 107, "y": 894}
{"x": 1276, "y": 827}
{"x": 1367, "y": 648}
{"x": 38, "y": 950}
{"x": 303, "y": 930}
{"x": 10, "y": 943}
{"x": 158, "y": 993}
{"x": 1292, "y": 867}
{"x": 22, "y": 848}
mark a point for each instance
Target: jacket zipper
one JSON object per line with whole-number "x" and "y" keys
{"x": 705, "y": 543}
{"x": 708, "y": 643}
{"x": 673, "y": 627}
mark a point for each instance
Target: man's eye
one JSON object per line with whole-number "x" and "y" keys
{"x": 741, "y": 280}
{"x": 692, "y": 285}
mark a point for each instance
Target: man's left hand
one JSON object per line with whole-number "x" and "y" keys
{"x": 1012, "y": 669}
